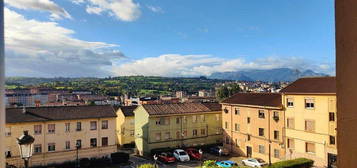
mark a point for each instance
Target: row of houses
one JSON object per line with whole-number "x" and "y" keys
{"x": 300, "y": 121}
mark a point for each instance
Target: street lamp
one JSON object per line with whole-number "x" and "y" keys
{"x": 25, "y": 143}
{"x": 201, "y": 154}
{"x": 155, "y": 158}
{"x": 78, "y": 146}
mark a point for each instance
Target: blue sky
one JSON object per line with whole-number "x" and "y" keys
{"x": 165, "y": 37}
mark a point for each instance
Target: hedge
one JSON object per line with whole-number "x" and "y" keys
{"x": 295, "y": 163}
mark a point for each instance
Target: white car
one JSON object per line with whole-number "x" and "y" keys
{"x": 254, "y": 162}
{"x": 181, "y": 155}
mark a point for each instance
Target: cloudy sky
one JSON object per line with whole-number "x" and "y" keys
{"x": 82, "y": 38}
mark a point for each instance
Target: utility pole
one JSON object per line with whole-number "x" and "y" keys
{"x": 2, "y": 87}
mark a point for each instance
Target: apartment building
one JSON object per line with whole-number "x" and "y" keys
{"x": 253, "y": 125}
{"x": 310, "y": 112}
{"x": 176, "y": 125}
{"x": 125, "y": 125}
{"x": 57, "y": 130}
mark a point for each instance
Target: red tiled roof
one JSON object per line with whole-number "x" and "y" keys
{"x": 317, "y": 85}
{"x": 180, "y": 108}
{"x": 256, "y": 99}
{"x": 36, "y": 114}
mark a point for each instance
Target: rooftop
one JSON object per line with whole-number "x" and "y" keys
{"x": 256, "y": 99}
{"x": 316, "y": 85}
{"x": 181, "y": 108}
{"x": 38, "y": 114}
{"x": 128, "y": 110}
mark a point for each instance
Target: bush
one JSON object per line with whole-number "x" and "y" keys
{"x": 119, "y": 157}
{"x": 147, "y": 166}
{"x": 295, "y": 163}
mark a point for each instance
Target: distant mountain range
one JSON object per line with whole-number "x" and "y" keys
{"x": 270, "y": 75}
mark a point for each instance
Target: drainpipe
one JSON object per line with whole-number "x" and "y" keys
{"x": 2, "y": 87}
{"x": 269, "y": 138}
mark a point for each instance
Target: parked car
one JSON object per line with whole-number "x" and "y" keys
{"x": 226, "y": 163}
{"x": 219, "y": 150}
{"x": 254, "y": 162}
{"x": 166, "y": 157}
{"x": 181, "y": 155}
{"x": 193, "y": 153}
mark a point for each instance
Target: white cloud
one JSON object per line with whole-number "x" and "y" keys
{"x": 56, "y": 11}
{"x": 155, "y": 9}
{"x": 125, "y": 10}
{"x": 195, "y": 65}
{"x": 35, "y": 48}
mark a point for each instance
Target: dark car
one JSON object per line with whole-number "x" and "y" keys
{"x": 166, "y": 157}
{"x": 193, "y": 153}
{"x": 219, "y": 151}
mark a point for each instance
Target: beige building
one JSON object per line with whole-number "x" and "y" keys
{"x": 57, "y": 130}
{"x": 125, "y": 125}
{"x": 177, "y": 125}
{"x": 310, "y": 114}
{"x": 253, "y": 125}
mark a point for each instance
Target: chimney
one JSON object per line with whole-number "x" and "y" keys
{"x": 23, "y": 109}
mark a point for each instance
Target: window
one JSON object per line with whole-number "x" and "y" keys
{"x": 67, "y": 127}
{"x": 67, "y": 145}
{"x": 227, "y": 140}
{"x": 202, "y": 117}
{"x": 51, "y": 128}
{"x": 309, "y": 103}
{"x": 105, "y": 124}
{"x": 105, "y": 141}
{"x": 93, "y": 125}
{"x": 7, "y": 131}
{"x": 217, "y": 117}
{"x": 248, "y": 120}
{"x": 178, "y": 120}
{"x": 261, "y": 149}
{"x": 184, "y": 119}
{"x": 332, "y": 140}
{"x": 167, "y": 120}
{"x": 291, "y": 144}
{"x": 79, "y": 126}
{"x": 184, "y": 133}
{"x": 248, "y": 137}
{"x": 167, "y": 135}
{"x": 194, "y": 132}
{"x": 331, "y": 116}
{"x": 158, "y": 121}
{"x": 226, "y": 125}
{"x": 93, "y": 142}
{"x": 225, "y": 110}
{"x": 7, "y": 153}
{"x": 261, "y": 114}
{"x": 276, "y": 115}
{"x": 218, "y": 130}
{"x": 51, "y": 147}
{"x": 132, "y": 132}
{"x": 237, "y": 143}
{"x": 290, "y": 102}
{"x": 79, "y": 143}
{"x": 309, "y": 125}
{"x": 236, "y": 111}
{"x": 178, "y": 134}
{"x": 158, "y": 136}
{"x": 261, "y": 131}
{"x": 37, "y": 148}
{"x": 310, "y": 147}
{"x": 236, "y": 127}
{"x": 194, "y": 118}
{"x": 290, "y": 123}
{"x": 276, "y": 135}
{"x": 276, "y": 153}
{"x": 203, "y": 131}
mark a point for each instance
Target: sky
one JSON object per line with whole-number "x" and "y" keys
{"x": 173, "y": 38}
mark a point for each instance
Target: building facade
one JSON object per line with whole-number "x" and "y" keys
{"x": 177, "y": 125}
{"x": 57, "y": 130}
{"x": 253, "y": 125}
{"x": 310, "y": 105}
{"x": 125, "y": 125}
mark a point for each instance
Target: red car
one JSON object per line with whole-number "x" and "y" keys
{"x": 166, "y": 157}
{"x": 193, "y": 153}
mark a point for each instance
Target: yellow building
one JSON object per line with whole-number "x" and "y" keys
{"x": 310, "y": 110}
{"x": 176, "y": 125}
{"x": 57, "y": 130}
{"x": 125, "y": 125}
{"x": 253, "y": 125}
